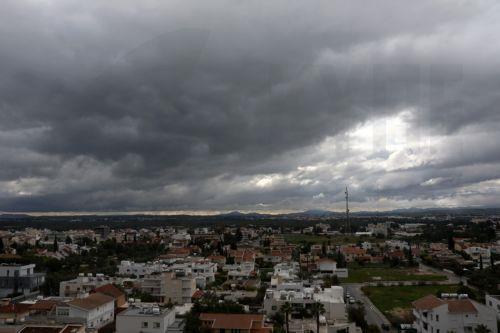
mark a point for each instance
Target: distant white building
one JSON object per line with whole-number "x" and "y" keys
{"x": 378, "y": 229}
{"x": 83, "y": 284}
{"x": 456, "y": 314}
{"x": 329, "y": 266}
{"x": 139, "y": 269}
{"x": 144, "y": 317}
{"x": 493, "y": 302}
{"x": 300, "y": 297}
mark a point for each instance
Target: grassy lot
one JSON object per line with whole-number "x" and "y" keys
{"x": 366, "y": 274}
{"x": 319, "y": 239}
{"x": 395, "y": 302}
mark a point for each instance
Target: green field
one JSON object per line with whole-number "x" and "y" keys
{"x": 319, "y": 239}
{"x": 394, "y": 301}
{"x": 366, "y": 274}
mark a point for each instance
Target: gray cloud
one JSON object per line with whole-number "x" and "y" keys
{"x": 231, "y": 105}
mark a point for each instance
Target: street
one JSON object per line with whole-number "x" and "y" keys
{"x": 373, "y": 315}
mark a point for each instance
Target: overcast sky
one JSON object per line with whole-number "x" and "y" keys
{"x": 271, "y": 106}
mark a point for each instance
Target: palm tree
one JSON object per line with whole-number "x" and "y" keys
{"x": 317, "y": 309}
{"x": 286, "y": 308}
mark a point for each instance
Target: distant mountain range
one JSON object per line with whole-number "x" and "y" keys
{"x": 312, "y": 213}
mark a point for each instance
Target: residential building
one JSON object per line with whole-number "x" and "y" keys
{"x": 493, "y": 302}
{"x": 169, "y": 287}
{"x": 138, "y": 269}
{"x": 83, "y": 284}
{"x": 301, "y": 297}
{"x": 19, "y": 280}
{"x": 329, "y": 266}
{"x": 144, "y": 317}
{"x": 454, "y": 313}
{"x": 230, "y": 322}
{"x": 95, "y": 311}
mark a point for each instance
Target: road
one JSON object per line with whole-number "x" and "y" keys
{"x": 373, "y": 315}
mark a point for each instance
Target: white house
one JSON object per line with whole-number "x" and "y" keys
{"x": 455, "y": 313}
{"x": 95, "y": 311}
{"x": 329, "y": 266}
{"x": 144, "y": 317}
{"x": 300, "y": 297}
{"x": 493, "y": 302}
{"x": 139, "y": 269}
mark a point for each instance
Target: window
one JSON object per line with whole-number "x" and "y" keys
{"x": 437, "y": 317}
{"x": 274, "y": 307}
{"x": 156, "y": 324}
{"x": 144, "y": 324}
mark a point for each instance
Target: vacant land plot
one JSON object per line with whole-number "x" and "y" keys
{"x": 395, "y": 302}
{"x": 372, "y": 274}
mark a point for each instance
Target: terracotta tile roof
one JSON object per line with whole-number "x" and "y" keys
{"x": 235, "y": 321}
{"x": 427, "y": 302}
{"x": 461, "y": 306}
{"x": 15, "y": 308}
{"x": 110, "y": 290}
{"x": 352, "y": 250}
{"x": 44, "y": 305}
{"x": 91, "y": 301}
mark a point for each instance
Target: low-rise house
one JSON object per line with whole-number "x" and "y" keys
{"x": 14, "y": 313}
{"x": 83, "y": 284}
{"x": 352, "y": 253}
{"x": 144, "y": 317}
{"x": 112, "y": 291}
{"x": 304, "y": 298}
{"x": 229, "y": 322}
{"x": 329, "y": 266}
{"x": 493, "y": 302}
{"x": 138, "y": 269}
{"x": 95, "y": 311}
{"x": 457, "y": 314}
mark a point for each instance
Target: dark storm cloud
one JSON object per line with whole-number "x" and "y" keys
{"x": 184, "y": 106}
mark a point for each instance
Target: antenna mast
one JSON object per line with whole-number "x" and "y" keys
{"x": 348, "y": 224}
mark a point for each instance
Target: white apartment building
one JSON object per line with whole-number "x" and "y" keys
{"x": 19, "y": 279}
{"x": 454, "y": 313}
{"x": 95, "y": 311}
{"x": 139, "y": 269}
{"x": 287, "y": 270}
{"x": 202, "y": 270}
{"x": 144, "y": 317}
{"x": 83, "y": 284}
{"x": 493, "y": 302}
{"x": 242, "y": 271}
{"x": 300, "y": 297}
{"x": 478, "y": 253}
{"x": 168, "y": 287}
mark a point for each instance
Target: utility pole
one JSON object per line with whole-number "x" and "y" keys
{"x": 347, "y": 224}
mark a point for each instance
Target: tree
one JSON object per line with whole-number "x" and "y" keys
{"x": 451, "y": 242}
{"x": 482, "y": 329}
{"x": 68, "y": 240}
{"x": 56, "y": 246}
{"x": 480, "y": 262}
{"x": 317, "y": 309}
{"x": 1, "y": 245}
{"x": 286, "y": 308}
